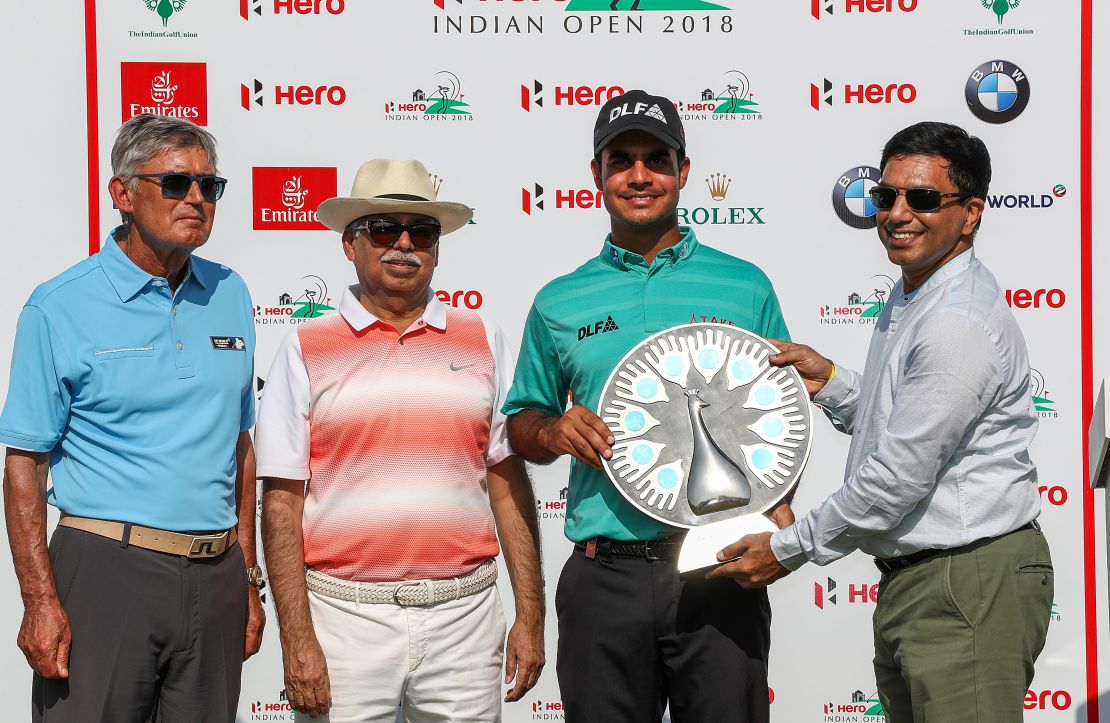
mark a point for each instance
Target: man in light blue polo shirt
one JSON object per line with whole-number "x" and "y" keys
{"x": 131, "y": 388}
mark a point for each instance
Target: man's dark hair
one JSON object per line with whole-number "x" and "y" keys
{"x": 969, "y": 163}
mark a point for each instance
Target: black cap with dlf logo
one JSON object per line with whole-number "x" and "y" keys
{"x": 638, "y": 111}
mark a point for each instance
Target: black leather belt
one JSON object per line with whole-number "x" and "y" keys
{"x": 663, "y": 549}
{"x": 888, "y": 565}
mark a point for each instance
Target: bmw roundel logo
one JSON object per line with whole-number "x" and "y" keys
{"x": 997, "y": 91}
{"x": 851, "y": 197}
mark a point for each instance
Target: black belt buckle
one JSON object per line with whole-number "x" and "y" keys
{"x": 656, "y": 553}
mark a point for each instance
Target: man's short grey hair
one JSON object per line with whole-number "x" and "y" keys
{"x": 147, "y": 136}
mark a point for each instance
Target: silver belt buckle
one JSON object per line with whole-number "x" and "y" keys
{"x": 207, "y": 546}
{"x": 397, "y": 592}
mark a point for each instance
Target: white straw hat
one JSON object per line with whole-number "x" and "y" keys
{"x": 388, "y": 186}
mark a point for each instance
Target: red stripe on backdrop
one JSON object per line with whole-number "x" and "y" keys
{"x": 1090, "y": 578}
{"x": 92, "y": 122}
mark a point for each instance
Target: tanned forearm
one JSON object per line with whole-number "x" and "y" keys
{"x": 527, "y": 431}
{"x": 246, "y": 497}
{"x": 282, "y": 510}
{"x": 306, "y": 669}
{"x": 25, "y": 476}
{"x": 45, "y": 634}
{"x": 514, "y": 513}
{"x": 540, "y": 438}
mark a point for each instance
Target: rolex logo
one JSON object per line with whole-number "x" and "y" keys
{"x": 718, "y": 185}
{"x": 436, "y": 182}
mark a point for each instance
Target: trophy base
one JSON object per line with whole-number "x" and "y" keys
{"x": 702, "y": 543}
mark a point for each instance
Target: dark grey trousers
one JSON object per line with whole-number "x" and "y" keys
{"x": 634, "y": 636}
{"x": 156, "y": 637}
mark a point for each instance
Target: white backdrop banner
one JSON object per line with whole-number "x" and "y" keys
{"x": 786, "y": 107}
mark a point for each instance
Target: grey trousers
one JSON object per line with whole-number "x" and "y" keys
{"x": 156, "y": 637}
{"x": 956, "y": 636}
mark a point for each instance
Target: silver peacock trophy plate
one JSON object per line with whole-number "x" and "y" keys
{"x": 709, "y": 436}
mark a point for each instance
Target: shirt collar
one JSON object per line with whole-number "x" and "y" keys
{"x": 624, "y": 259}
{"x": 950, "y": 270}
{"x": 128, "y": 279}
{"x": 360, "y": 318}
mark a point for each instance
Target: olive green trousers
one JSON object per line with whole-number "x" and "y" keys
{"x": 956, "y": 635}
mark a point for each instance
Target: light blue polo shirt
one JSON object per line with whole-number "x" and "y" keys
{"x": 138, "y": 395}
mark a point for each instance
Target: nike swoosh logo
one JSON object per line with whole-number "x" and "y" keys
{"x": 456, "y": 368}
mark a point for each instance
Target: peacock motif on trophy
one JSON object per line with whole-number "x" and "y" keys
{"x": 716, "y": 483}
{"x": 734, "y": 448}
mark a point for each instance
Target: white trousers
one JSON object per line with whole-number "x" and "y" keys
{"x": 437, "y": 664}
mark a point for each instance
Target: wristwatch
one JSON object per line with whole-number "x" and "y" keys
{"x": 254, "y": 577}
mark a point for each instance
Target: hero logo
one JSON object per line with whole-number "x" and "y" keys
{"x": 857, "y": 593}
{"x": 533, "y": 95}
{"x": 552, "y": 509}
{"x": 293, "y": 7}
{"x": 1046, "y": 699}
{"x": 1025, "y": 299}
{"x": 862, "y": 6}
{"x": 285, "y": 198}
{"x": 870, "y": 94}
{"x": 532, "y": 199}
{"x": 548, "y": 710}
{"x": 293, "y": 95}
{"x": 179, "y": 90}
{"x": 470, "y": 299}
{"x": 1055, "y": 494}
{"x": 266, "y": 711}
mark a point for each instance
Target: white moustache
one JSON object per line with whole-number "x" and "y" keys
{"x": 402, "y": 257}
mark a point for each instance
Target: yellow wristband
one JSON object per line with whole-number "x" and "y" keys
{"x": 833, "y": 372}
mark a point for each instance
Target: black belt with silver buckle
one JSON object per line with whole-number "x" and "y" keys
{"x": 888, "y": 565}
{"x": 662, "y": 549}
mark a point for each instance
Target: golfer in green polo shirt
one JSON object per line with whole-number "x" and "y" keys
{"x": 633, "y": 635}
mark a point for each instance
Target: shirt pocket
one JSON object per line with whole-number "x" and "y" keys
{"x": 122, "y": 352}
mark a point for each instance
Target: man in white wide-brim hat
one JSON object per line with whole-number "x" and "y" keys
{"x": 383, "y": 567}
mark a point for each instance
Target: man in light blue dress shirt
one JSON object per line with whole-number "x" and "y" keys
{"x": 939, "y": 486}
{"x": 131, "y": 387}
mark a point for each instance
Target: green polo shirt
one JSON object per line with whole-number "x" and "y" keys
{"x": 582, "y": 324}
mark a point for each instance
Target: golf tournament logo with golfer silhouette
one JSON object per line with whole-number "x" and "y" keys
{"x": 440, "y": 99}
{"x": 859, "y": 307}
{"x": 729, "y": 99}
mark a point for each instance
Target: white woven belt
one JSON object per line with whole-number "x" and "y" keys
{"x": 407, "y": 593}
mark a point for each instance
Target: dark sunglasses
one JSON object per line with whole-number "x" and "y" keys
{"x": 383, "y": 232}
{"x": 918, "y": 199}
{"x": 177, "y": 185}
